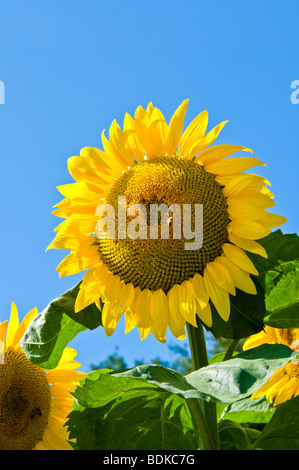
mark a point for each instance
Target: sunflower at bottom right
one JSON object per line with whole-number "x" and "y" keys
{"x": 284, "y": 383}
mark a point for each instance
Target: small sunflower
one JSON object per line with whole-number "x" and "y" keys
{"x": 157, "y": 283}
{"x": 284, "y": 383}
{"x": 34, "y": 402}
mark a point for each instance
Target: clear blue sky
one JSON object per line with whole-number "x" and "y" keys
{"x": 71, "y": 67}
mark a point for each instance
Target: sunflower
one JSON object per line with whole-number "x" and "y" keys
{"x": 284, "y": 383}
{"x": 34, "y": 403}
{"x": 157, "y": 283}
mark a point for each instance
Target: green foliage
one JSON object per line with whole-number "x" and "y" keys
{"x": 149, "y": 407}
{"x": 246, "y": 316}
{"x": 113, "y": 413}
{"x": 282, "y": 431}
{"x": 151, "y": 402}
{"x": 52, "y": 329}
{"x": 279, "y": 276}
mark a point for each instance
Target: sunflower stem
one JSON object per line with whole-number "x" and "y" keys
{"x": 208, "y": 431}
{"x": 231, "y": 349}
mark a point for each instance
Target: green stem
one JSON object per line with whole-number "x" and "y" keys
{"x": 231, "y": 349}
{"x": 201, "y": 423}
{"x": 209, "y": 411}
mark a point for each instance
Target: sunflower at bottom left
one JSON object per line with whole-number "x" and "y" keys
{"x": 34, "y": 402}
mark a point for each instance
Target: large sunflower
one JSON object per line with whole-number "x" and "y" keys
{"x": 284, "y": 383}
{"x": 157, "y": 283}
{"x": 34, "y": 403}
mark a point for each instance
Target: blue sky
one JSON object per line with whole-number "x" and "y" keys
{"x": 69, "y": 68}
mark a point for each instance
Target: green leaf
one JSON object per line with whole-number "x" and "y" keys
{"x": 279, "y": 276}
{"x": 101, "y": 388}
{"x": 136, "y": 416}
{"x": 282, "y": 431}
{"x": 224, "y": 382}
{"x": 249, "y": 410}
{"x": 52, "y": 329}
{"x": 239, "y": 377}
{"x": 246, "y": 315}
{"x": 233, "y": 435}
{"x": 164, "y": 378}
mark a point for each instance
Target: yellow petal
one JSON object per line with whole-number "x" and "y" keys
{"x": 219, "y": 297}
{"x": 256, "y": 340}
{"x": 269, "y": 220}
{"x": 132, "y": 141}
{"x": 77, "y": 261}
{"x": 244, "y": 210}
{"x": 97, "y": 156}
{"x": 195, "y": 131}
{"x": 80, "y": 192}
{"x": 287, "y": 392}
{"x": 232, "y": 165}
{"x": 124, "y": 300}
{"x": 24, "y": 325}
{"x": 221, "y": 276}
{"x": 237, "y": 256}
{"x": 55, "y": 441}
{"x": 186, "y": 299}
{"x": 3, "y": 329}
{"x": 242, "y": 279}
{"x": 66, "y": 361}
{"x": 111, "y": 288}
{"x": 248, "y": 245}
{"x": 159, "y": 314}
{"x": 142, "y": 126}
{"x": 248, "y": 229}
{"x": 176, "y": 128}
{"x": 130, "y": 321}
{"x": 142, "y": 312}
{"x": 204, "y": 313}
{"x": 237, "y": 184}
{"x": 162, "y": 127}
{"x": 113, "y": 311}
{"x": 108, "y": 320}
{"x": 86, "y": 296}
{"x": 218, "y": 152}
{"x": 90, "y": 289}
{"x": 207, "y": 140}
{"x": 176, "y": 320}
{"x": 200, "y": 290}
{"x": 252, "y": 196}
{"x": 12, "y": 326}
{"x": 67, "y": 207}
{"x": 116, "y": 162}
{"x": 81, "y": 169}
{"x": 70, "y": 240}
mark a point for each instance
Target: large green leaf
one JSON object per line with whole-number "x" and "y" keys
{"x": 242, "y": 375}
{"x": 224, "y": 382}
{"x": 101, "y": 388}
{"x": 249, "y": 410}
{"x": 135, "y": 416}
{"x": 279, "y": 276}
{"x": 52, "y": 329}
{"x": 282, "y": 431}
